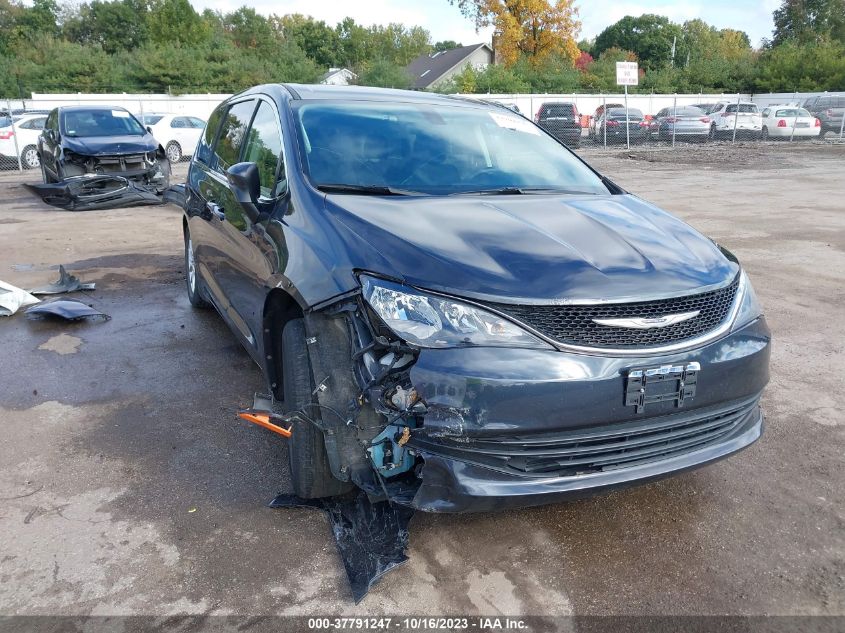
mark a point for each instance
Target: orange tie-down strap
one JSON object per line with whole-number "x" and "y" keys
{"x": 262, "y": 418}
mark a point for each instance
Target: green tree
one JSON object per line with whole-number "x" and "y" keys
{"x": 116, "y": 26}
{"x": 809, "y": 21}
{"x": 445, "y": 45}
{"x": 650, "y": 37}
{"x": 384, "y": 73}
{"x": 319, "y": 41}
{"x": 176, "y": 22}
{"x": 802, "y": 67}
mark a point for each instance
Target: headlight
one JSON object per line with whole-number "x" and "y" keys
{"x": 429, "y": 321}
{"x": 749, "y": 306}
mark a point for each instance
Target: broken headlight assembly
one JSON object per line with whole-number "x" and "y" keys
{"x": 427, "y": 320}
{"x": 749, "y": 307}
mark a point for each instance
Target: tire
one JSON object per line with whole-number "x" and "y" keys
{"x": 713, "y": 135}
{"x": 30, "y": 158}
{"x": 309, "y": 465}
{"x": 192, "y": 279}
{"x": 764, "y": 133}
{"x": 174, "y": 152}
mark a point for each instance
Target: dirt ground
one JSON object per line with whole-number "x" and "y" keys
{"x": 127, "y": 485}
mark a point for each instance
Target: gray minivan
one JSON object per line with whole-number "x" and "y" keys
{"x": 829, "y": 109}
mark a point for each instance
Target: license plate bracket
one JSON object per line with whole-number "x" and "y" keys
{"x": 663, "y": 383}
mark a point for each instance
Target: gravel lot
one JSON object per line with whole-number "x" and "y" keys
{"x": 129, "y": 487}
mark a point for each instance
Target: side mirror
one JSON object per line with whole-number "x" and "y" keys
{"x": 246, "y": 185}
{"x": 149, "y": 129}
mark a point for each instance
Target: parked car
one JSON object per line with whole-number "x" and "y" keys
{"x": 561, "y": 120}
{"x": 829, "y": 109}
{"x": 744, "y": 118}
{"x": 455, "y": 312}
{"x": 26, "y": 129}
{"x": 597, "y": 115}
{"x": 789, "y": 122}
{"x": 100, "y": 140}
{"x": 686, "y": 122}
{"x": 178, "y": 134}
{"x": 613, "y": 121}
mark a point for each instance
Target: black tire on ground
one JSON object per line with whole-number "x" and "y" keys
{"x": 309, "y": 465}
{"x": 173, "y": 152}
{"x": 192, "y": 280}
{"x": 44, "y": 175}
{"x": 30, "y": 158}
{"x": 764, "y": 133}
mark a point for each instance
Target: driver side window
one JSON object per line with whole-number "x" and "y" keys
{"x": 264, "y": 148}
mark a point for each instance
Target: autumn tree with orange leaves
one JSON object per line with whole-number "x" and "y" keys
{"x": 534, "y": 28}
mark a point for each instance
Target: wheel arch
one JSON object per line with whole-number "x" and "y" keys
{"x": 279, "y": 308}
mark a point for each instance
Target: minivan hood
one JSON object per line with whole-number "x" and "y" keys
{"x": 534, "y": 248}
{"x": 107, "y": 145}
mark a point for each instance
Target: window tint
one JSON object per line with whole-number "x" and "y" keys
{"x": 34, "y": 124}
{"x": 792, "y": 112}
{"x": 232, "y": 134}
{"x": 264, "y": 148}
{"x": 52, "y": 120}
{"x": 633, "y": 113}
{"x": 557, "y": 109}
{"x": 766, "y": 112}
{"x": 151, "y": 119}
{"x": 197, "y": 123}
{"x": 743, "y": 108}
{"x": 203, "y": 153}
{"x": 179, "y": 121}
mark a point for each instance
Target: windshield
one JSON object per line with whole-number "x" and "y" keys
{"x": 434, "y": 149}
{"x": 101, "y": 123}
{"x": 743, "y": 108}
{"x": 691, "y": 111}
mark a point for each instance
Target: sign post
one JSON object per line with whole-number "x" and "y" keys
{"x": 627, "y": 74}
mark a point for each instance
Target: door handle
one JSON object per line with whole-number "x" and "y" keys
{"x": 215, "y": 210}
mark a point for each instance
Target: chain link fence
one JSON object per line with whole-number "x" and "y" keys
{"x": 588, "y": 121}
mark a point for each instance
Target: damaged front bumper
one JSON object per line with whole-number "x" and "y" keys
{"x": 511, "y": 428}
{"x": 479, "y": 428}
{"x": 91, "y": 191}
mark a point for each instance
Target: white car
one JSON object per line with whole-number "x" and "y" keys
{"x": 744, "y": 117}
{"x": 26, "y": 129}
{"x": 788, "y": 122}
{"x": 177, "y": 133}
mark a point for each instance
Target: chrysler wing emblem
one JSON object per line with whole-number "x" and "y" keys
{"x": 646, "y": 323}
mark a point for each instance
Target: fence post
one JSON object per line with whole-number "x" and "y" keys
{"x": 736, "y": 117}
{"x": 842, "y": 126}
{"x": 792, "y": 132}
{"x": 604, "y": 119}
{"x": 14, "y": 134}
{"x": 674, "y": 119}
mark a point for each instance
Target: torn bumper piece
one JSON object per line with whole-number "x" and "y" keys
{"x": 92, "y": 191}
{"x": 371, "y": 537}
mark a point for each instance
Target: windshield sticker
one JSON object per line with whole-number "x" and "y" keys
{"x": 513, "y": 123}
{"x": 120, "y": 114}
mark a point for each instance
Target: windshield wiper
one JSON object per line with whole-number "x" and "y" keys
{"x": 511, "y": 191}
{"x": 373, "y": 190}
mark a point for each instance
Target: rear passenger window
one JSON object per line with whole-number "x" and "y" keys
{"x": 264, "y": 148}
{"x": 232, "y": 134}
{"x": 179, "y": 121}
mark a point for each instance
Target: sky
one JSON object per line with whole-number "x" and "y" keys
{"x": 445, "y": 22}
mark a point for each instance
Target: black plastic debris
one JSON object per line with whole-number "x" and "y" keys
{"x": 66, "y": 309}
{"x": 89, "y": 192}
{"x": 65, "y": 283}
{"x": 371, "y": 537}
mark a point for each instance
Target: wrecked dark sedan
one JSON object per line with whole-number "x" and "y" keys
{"x": 99, "y": 154}
{"x": 456, "y": 313}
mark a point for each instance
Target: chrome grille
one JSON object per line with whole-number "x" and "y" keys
{"x": 574, "y": 324}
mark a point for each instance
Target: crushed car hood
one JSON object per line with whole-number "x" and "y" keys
{"x": 108, "y": 145}
{"x": 534, "y": 248}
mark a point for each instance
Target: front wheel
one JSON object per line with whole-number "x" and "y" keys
{"x": 192, "y": 275}
{"x": 765, "y": 133}
{"x": 310, "y": 472}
